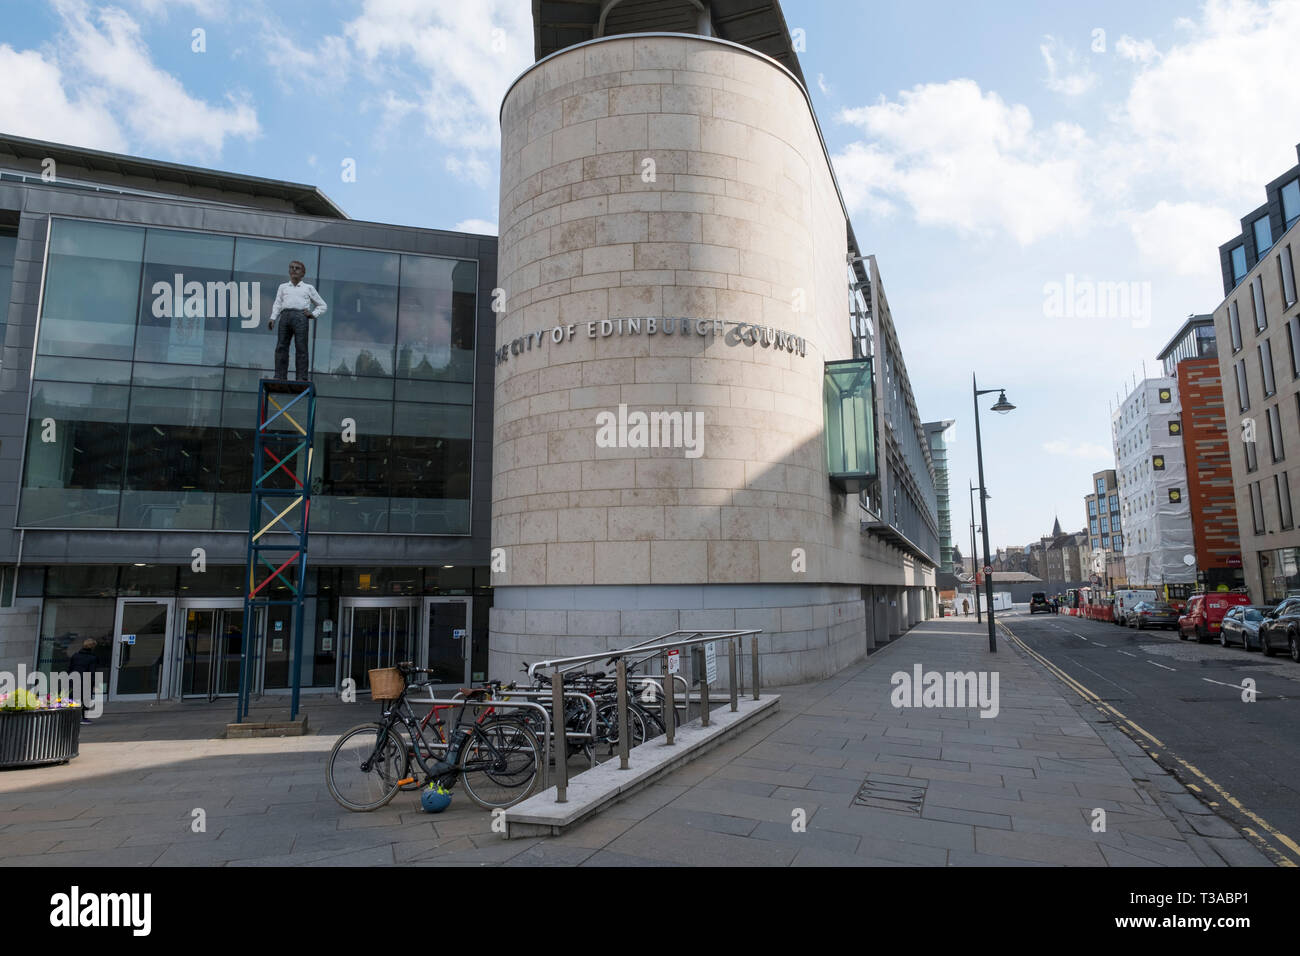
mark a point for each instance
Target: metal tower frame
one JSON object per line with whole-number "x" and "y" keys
{"x": 286, "y": 425}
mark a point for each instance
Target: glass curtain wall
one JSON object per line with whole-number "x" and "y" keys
{"x": 151, "y": 345}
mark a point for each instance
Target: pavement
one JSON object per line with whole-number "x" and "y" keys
{"x": 839, "y": 776}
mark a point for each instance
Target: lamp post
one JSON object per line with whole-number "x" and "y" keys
{"x": 1002, "y": 406}
{"x": 974, "y": 559}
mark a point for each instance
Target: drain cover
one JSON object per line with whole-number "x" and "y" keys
{"x": 887, "y": 795}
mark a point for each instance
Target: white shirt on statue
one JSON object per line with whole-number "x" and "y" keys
{"x": 301, "y": 296}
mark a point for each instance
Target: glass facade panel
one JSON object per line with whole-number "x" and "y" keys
{"x": 430, "y": 469}
{"x": 189, "y": 298}
{"x": 265, "y": 262}
{"x": 357, "y": 334}
{"x": 182, "y": 457}
{"x": 850, "y": 426}
{"x": 8, "y": 248}
{"x": 435, "y": 323}
{"x": 172, "y": 459}
{"x": 91, "y": 309}
{"x": 76, "y": 444}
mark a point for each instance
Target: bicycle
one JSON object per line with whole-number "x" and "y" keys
{"x": 496, "y": 756}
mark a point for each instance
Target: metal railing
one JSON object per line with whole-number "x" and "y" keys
{"x": 650, "y": 648}
{"x": 459, "y": 701}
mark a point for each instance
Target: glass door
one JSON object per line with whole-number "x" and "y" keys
{"x": 377, "y": 632}
{"x": 447, "y": 633}
{"x": 212, "y": 640}
{"x": 140, "y": 662}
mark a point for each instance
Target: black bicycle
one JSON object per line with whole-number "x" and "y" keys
{"x": 496, "y": 756}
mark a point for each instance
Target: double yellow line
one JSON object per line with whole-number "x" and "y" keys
{"x": 1142, "y": 736}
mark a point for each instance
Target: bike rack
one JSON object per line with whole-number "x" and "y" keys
{"x": 591, "y": 720}
{"x": 660, "y": 646}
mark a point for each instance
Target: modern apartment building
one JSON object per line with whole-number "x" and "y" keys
{"x": 1152, "y": 478}
{"x": 1258, "y": 330}
{"x": 936, "y": 434}
{"x": 1105, "y": 527}
{"x": 1192, "y": 358}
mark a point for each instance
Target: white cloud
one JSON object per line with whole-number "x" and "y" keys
{"x": 470, "y": 167}
{"x": 35, "y": 102}
{"x": 961, "y": 157}
{"x": 1183, "y": 237}
{"x": 1074, "y": 83}
{"x": 479, "y": 226}
{"x": 462, "y": 57}
{"x": 1139, "y": 51}
{"x": 109, "y": 58}
{"x": 1078, "y": 450}
{"x": 822, "y": 84}
{"x": 215, "y": 9}
{"x": 1216, "y": 113}
{"x": 322, "y": 65}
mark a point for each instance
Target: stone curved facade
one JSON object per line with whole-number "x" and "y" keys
{"x": 672, "y": 242}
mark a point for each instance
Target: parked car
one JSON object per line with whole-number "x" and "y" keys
{"x": 1205, "y": 614}
{"x": 1281, "y": 629}
{"x": 1125, "y": 598}
{"x": 1038, "y": 602}
{"x": 1152, "y": 614}
{"x": 1241, "y": 626}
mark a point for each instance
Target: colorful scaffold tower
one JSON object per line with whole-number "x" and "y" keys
{"x": 278, "y": 513}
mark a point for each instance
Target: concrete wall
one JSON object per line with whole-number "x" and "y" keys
{"x": 668, "y": 178}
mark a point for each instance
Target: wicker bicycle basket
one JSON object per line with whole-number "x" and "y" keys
{"x": 386, "y": 683}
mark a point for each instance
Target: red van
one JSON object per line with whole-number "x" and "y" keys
{"x": 1205, "y": 613}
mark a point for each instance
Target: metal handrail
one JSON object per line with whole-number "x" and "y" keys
{"x": 663, "y": 643}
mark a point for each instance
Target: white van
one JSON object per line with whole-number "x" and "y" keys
{"x": 1124, "y": 601}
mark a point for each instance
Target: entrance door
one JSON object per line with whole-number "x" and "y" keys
{"x": 140, "y": 661}
{"x": 447, "y": 633}
{"x": 378, "y": 632}
{"x": 212, "y": 640}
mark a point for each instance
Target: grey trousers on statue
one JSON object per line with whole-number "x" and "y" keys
{"x": 292, "y": 324}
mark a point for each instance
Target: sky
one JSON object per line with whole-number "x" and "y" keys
{"x": 992, "y": 156}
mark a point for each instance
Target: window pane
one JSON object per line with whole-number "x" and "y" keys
{"x": 1287, "y": 273}
{"x": 1263, "y": 235}
{"x": 1293, "y": 336}
{"x": 1266, "y": 366}
{"x": 189, "y": 298}
{"x": 235, "y": 469}
{"x": 1291, "y": 202}
{"x": 8, "y": 248}
{"x": 356, "y": 335}
{"x": 1257, "y": 298}
{"x": 431, "y": 469}
{"x": 1283, "y": 484}
{"x": 1238, "y": 264}
{"x": 92, "y": 290}
{"x": 67, "y": 623}
{"x": 172, "y": 459}
{"x": 267, "y": 263}
{"x": 94, "y": 371}
{"x": 76, "y": 442}
{"x": 435, "y": 330}
{"x": 1243, "y": 390}
{"x": 1234, "y": 325}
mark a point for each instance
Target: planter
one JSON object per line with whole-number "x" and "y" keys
{"x": 29, "y": 738}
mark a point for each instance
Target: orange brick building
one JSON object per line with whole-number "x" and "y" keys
{"x": 1192, "y": 357}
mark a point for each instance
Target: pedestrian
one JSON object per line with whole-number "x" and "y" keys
{"x": 965, "y": 607}
{"x": 296, "y": 302}
{"x": 83, "y": 663}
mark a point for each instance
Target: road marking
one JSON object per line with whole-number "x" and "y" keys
{"x": 1101, "y": 645}
{"x": 1162, "y": 665}
{"x": 1127, "y": 654}
{"x": 1280, "y": 858}
{"x": 1222, "y": 684}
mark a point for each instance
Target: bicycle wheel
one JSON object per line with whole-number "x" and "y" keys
{"x": 386, "y": 760}
{"x": 607, "y": 726}
{"x": 500, "y": 763}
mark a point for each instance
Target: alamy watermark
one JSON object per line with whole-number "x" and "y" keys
{"x": 87, "y": 689}
{"x": 949, "y": 689}
{"x": 1077, "y": 298}
{"x": 196, "y": 300}
{"x": 651, "y": 430}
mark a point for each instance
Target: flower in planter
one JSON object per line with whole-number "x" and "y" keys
{"x": 22, "y": 699}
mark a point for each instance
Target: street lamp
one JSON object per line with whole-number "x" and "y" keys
{"x": 1002, "y": 406}
{"x": 974, "y": 556}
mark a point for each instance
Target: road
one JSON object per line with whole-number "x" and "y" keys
{"x": 1183, "y": 701}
